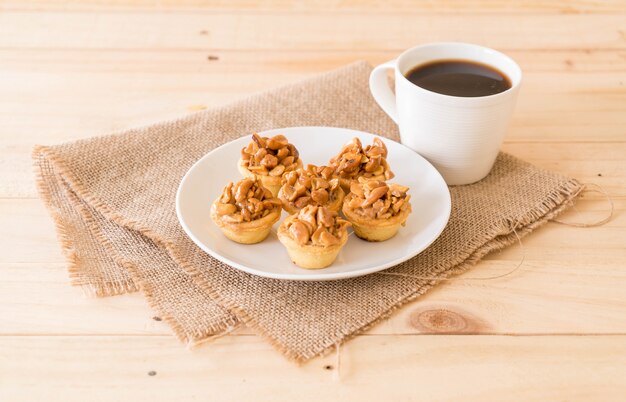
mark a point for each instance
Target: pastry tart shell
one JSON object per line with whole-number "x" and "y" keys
{"x": 247, "y": 232}
{"x": 375, "y": 229}
{"x": 309, "y": 256}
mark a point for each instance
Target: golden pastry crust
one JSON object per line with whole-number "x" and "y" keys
{"x": 267, "y": 159}
{"x": 313, "y": 186}
{"x": 354, "y": 161}
{"x": 375, "y": 209}
{"x": 246, "y": 211}
{"x": 313, "y": 237}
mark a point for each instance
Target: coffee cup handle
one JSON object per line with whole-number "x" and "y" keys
{"x": 379, "y": 87}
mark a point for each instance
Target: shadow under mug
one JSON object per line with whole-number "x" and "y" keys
{"x": 460, "y": 136}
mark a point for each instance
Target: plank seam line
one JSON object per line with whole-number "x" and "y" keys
{"x": 243, "y": 49}
{"x": 486, "y": 334}
{"x": 299, "y": 13}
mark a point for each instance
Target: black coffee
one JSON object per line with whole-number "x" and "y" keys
{"x": 459, "y": 78}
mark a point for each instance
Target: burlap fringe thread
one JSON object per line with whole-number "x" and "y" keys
{"x": 72, "y": 260}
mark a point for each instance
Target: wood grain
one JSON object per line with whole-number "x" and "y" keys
{"x": 371, "y": 368}
{"x": 295, "y": 6}
{"x": 544, "y": 297}
{"x": 177, "y": 61}
{"x": 309, "y": 31}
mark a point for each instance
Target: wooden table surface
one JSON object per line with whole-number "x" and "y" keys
{"x": 554, "y": 330}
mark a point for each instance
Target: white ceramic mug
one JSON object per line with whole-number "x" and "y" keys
{"x": 460, "y": 136}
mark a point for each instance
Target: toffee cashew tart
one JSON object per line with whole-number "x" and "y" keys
{"x": 314, "y": 236}
{"x": 267, "y": 159}
{"x": 354, "y": 161}
{"x": 246, "y": 211}
{"x": 313, "y": 186}
{"x": 376, "y": 209}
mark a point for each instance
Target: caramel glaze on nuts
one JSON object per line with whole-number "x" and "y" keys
{"x": 270, "y": 156}
{"x": 375, "y": 199}
{"x": 354, "y": 161}
{"x": 317, "y": 226}
{"x": 245, "y": 201}
{"x": 313, "y": 186}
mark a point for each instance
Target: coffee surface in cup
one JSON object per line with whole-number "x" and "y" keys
{"x": 462, "y": 78}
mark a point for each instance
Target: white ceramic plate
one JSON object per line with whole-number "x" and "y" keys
{"x": 204, "y": 182}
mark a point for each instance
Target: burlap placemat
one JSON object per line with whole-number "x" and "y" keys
{"x": 112, "y": 199}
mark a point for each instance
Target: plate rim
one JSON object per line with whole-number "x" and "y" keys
{"x": 318, "y": 276}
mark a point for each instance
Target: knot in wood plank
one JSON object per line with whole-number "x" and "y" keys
{"x": 444, "y": 321}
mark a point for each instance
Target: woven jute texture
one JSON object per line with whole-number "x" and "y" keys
{"x": 113, "y": 201}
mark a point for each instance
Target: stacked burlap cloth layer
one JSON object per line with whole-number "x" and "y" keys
{"x": 112, "y": 198}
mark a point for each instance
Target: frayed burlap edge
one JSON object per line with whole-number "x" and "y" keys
{"x": 501, "y": 235}
{"x": 66, "y": 242}
{"x": 109, "y": 289}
